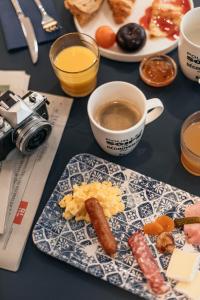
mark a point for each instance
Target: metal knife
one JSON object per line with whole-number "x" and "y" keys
{"x": 28, "y": 31}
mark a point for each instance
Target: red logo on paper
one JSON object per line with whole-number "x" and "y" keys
{"x": 20, "y": 212}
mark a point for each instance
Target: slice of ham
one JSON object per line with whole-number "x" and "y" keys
{"x": 147, "y": 263}
{"x": 192, "y": 231}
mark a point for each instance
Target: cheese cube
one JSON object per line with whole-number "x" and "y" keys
{"x": 183, "y": 265}
{"x": 190, "y": 289}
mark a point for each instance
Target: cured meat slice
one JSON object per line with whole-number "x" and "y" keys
{"x": 192, "y": 231}
{"x": 147, "y": 263}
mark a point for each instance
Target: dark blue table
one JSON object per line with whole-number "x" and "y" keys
{"x": 157, "y": 155}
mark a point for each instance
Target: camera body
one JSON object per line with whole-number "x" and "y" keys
{"x": 23, "y": 122}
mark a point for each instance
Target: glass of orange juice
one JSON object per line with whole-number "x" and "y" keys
{"x": 190, "y": 143}
{"x": 75, "y": 60}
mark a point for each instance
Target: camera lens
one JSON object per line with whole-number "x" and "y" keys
{"x": 32, "y": 134}
{"x": 36, "y": 140}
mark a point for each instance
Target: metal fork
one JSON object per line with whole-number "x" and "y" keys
{"x": 49, "y": 24}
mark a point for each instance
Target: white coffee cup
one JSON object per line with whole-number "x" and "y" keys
{"x": 189, "y": 44}
{"x": 121, "y": 142}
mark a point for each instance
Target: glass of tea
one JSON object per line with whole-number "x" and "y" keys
{"x": 190, "y": 144}
{"x": 75, "y": 60}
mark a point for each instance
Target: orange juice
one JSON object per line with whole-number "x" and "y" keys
{"x": 77, "y": 67}
{"x": 190, "y": 156}
{"x": 75, "y": 59}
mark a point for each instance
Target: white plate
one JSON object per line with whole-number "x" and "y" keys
{"x": 152, "y": 46}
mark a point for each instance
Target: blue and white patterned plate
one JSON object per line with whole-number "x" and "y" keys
{"x": 75, "y": 242}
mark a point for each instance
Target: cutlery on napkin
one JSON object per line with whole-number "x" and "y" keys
{"x": 11, "y": 27}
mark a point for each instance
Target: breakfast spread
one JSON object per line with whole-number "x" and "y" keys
{"x": 147, "y": 263}
{"x": 100, "y": 224}
{"x": 131, "y": 37}
{"x": 99, "y": 202}
{"x": 109, "y": 197}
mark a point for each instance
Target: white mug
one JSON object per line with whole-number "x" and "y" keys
{"x": 121, "y": 142}
{"x": 189, "y": 44}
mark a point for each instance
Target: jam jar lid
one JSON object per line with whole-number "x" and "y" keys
{"x": 158, "y": 70}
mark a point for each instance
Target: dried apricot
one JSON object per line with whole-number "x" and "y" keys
{"x": 153, "y": 228}
{"x": 166, "y": 222}
{"x": 105, "y": 37}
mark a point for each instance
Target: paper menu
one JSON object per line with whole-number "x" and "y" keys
{"x": 18, "y": 82}
{"x": 29, "y": 178}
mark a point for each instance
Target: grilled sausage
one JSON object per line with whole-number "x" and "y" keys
{"x": 101, "y": 226}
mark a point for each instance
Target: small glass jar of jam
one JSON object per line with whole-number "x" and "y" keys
{"x": 158, "y": 70}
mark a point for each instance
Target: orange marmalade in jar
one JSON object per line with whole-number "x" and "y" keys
{"x": 158, "y": 71}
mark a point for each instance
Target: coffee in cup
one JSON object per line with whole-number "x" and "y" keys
{"x": 118, "y": 112}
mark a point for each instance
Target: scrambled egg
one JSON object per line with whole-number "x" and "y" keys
{"x": 108, "y": 196}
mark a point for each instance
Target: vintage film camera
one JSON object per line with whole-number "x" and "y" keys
{"x": 23, "y": 122}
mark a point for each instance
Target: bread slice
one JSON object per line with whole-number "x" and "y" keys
{"x": 168, "y": 10}
{"x": 121, "y": 9}
{"x": 83, "y": 10}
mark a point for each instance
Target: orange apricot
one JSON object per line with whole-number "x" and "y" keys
{"x": 153, "y": 228}
{"x": 105, "y": 37}
{"x": 166, "y": 222}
